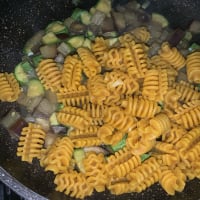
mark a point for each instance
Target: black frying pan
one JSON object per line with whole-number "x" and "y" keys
{"x": 19, "y": 20}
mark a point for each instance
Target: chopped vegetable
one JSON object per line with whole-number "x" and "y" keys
{"x": 49, "y": 139}
{"x": 145, "y": 156}
{"x": 76, "y": 41}
{"x": 76, "y": 15}
{"x": 85, "y": 17}
{"x": 87, "y": 43}
{"x": 35, "y": 88}
{"x": 98, "y": 18}
{"x": 65, "y": 48}
{"x": 96, "y": 149}
{"x": 79, "y": 155}
{"x": 194, "y": 47}
{"x": 23, "y": 72}
{"x": 50, "y": 38}
{"x": 120, "y": 144}
{"x": 36, "y": 60}
{"x": 56, "y": 27}
{"x": 48, "y": 51}
{"x": 90, "y": 35}
{"x": 53, "y": 120}
{"x": 160, "y": 19}
{"x": 104, "y": 6}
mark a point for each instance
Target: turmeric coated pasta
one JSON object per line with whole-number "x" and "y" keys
{"x": 127, "y": 120}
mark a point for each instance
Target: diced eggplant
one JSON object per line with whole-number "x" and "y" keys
{"x": 119, "y": 20}
{"x": 176, "y": 37}
{"x": 50, "y": 139}
{"x": 46, "y": 107}
{"x": 77, "y": 28}
{"x": 48, "y": 51}
{"x": 107, "y": 25}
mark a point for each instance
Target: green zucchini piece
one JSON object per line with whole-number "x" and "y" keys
{"x": 104, "y": 6}
{"x": 90, "y": 35}
{"x": 35, "y": 88}
{"x": 56, "y": 27}
{"x": 87, "y": 43}
{"x": 53, "y": 120}
{"x": 23, "y": 72}
{"x": 50, "y": 38}
{"x": 194, "y": 47}
{"x": 85, "y": 17}
{"x": 76, "y": 15}
{"x": 59, "y": 107}
{"x": 76, "y": 41}
{"x": 120, "y": 145}
{"x": 36, "y": 60}
{"x": 79, "y": 155}
{"x": 145, "y": 156}
{"x": 112, "y": 41}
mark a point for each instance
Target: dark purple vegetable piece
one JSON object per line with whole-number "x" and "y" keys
{"x": 77, "y": 28}
{"x": 62, "y": 36}
{"x": 176, "y": 37}
{"x": 17, "y": 127}
{"x": 119, "y": 20}
{"x": 108, "y": 25}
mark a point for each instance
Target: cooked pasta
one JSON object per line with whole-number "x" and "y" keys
{"x": 141, "y": 34}
{"x": 172, "y": 55}
{"x": 58, "y": 156}
{"x": 31, "y": 142}
{"x": 9, "y": 87}
{"x": 71, "y": 72}
{"x": 49, "y": 74}
{"x": 75, "y": 97}
{"x": 187, "y": 91}
{"x": 74, "y": 184}
{"x": 192, "y": 66}
{"x": 172, "y": 98}
{"x": 172, "y": 180}
{"x": 91, "y": 66}
{"x": 72, "y": 116}
{"x": 140, "y": 107}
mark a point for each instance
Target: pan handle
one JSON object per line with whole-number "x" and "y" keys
{"x": 17, "y": 187}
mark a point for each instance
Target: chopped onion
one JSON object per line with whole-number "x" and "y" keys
{"x": 119, "y": 20}
{"x": 59, "y": 129}
{"x": 59, "y": 58}
{"x": 46, "y": 107}
{"x": 96, "y": 149}
{"x": 50, "y": 139}
{"x": 98, "y": 18}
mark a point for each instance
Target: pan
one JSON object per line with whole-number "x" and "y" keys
{"x": 19, "y": 20}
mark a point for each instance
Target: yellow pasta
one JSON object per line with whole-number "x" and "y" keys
{"x": 71, "y": 72}
{"x": 187, "y": 91}
{"x": 193, "y": 67}
{"x": 98, "y": 91}
{"x": 144, "y": 175}
{"x": 172, "y": 55}
{"x": 58, "y": 156}
{"x": 140, "y": 60}
{"x": 91, "y": 66}
{"x": 140, "y": 107}
{"x": 100, "y": 49}
{"x": 155, "y": 85}
{"x": 187, "y": 115}
{"x": 118, "y": 119}
{"x": 95, "y": 171}
{"x": 172, "y": 180}
{"x": 70, "y": 97}
{"x": 49, "y": 74}
{"x": 172, "y": 98}
{"x": 31, "y": 142}
{"x": 72, "y": 116}
{"x": 73, "y": 184}
{"x": 9, "y": 87}
{"x": 141, "y": 34}
{"x": 109, "y": 135}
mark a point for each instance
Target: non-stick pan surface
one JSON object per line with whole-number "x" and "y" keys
{"x": 19, "y": 20}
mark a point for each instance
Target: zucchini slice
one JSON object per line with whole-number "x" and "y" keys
{"x": 85, "y": 17}
{"x": 50, "y": 38}
{"x": 87, "y": 43}
{"x": 23, "y": 72}
{"x": 76, "y": 14}
{"x": 35, "y": 88}
{"x": 104, "y": 6}
{"x": 56, "y": 27}
{"x": 76, "y": 41}
{"x": 79, "y": 155}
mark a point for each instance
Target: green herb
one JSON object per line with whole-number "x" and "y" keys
{"x": 121, "y": 144}
{"x": 145, "y": 156}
